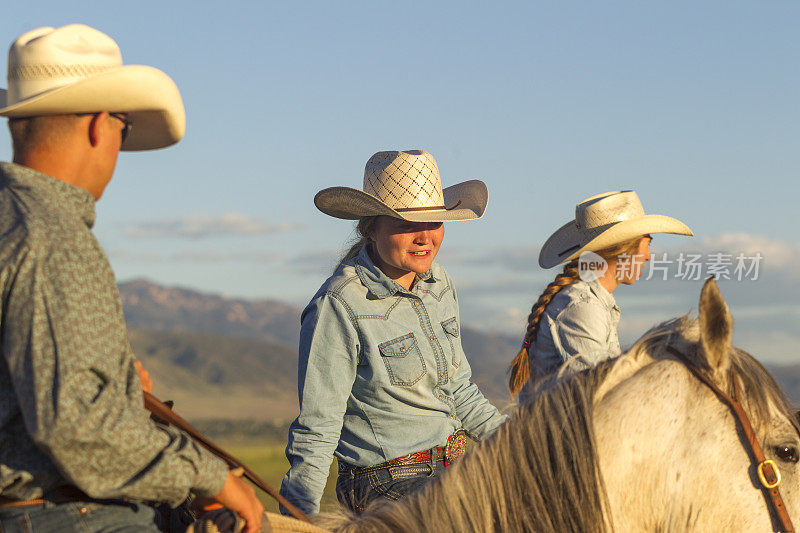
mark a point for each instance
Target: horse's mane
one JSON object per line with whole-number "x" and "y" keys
{"x": 539, "y": 472}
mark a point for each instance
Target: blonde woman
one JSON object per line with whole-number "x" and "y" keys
{"x": 573, "y": 324}
{"x": 384, "y": 384}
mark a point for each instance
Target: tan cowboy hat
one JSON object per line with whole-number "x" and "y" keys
{"x": 77, "y": 69}
{"x": 602, "y": 221}
{"x": 405, "y": 185}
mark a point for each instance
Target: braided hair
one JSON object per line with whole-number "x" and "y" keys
{"x": 520, "y": 366}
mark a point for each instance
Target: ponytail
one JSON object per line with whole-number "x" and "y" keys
{"x": 364, "y": 227}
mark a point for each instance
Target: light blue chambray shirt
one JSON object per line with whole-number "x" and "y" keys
{"x": 578, "y": 329}
{"x": 382, "y": 374}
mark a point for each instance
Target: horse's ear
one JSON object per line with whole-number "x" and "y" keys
{"x": 716, "y": 327}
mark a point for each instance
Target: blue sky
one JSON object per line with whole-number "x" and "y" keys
{"x": 692, "y": 104}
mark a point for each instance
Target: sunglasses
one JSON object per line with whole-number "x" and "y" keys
{"x": 128, "y": 125}
{"x": 119, "y": 116}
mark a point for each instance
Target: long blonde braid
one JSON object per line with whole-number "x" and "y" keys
{"x": 520, "y": 367}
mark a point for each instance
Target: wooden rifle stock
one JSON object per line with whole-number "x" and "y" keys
{"x": 164, "y": 413}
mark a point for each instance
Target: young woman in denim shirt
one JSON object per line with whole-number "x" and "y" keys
{"x": 573, "y": 324}
{"x": 384, "y": 385}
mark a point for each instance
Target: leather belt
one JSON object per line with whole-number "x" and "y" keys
{"x": 411, "y": 459}
{"x": 455, "y": 448}
{"x": 63, "y": 494}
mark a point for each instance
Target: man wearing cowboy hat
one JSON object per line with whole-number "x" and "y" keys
{"x": 77, "y": 447}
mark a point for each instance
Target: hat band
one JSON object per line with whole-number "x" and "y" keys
{"x": 44, "y": 71}
{"x": 434, "y": 208}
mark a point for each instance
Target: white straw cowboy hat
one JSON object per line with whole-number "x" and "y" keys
{"x": 77, "y": 69}
{"x": 602, "y": 221}
{"x": 405, "y": 185}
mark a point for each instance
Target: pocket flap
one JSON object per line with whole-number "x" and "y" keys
{"x": 398, "y": 347}
{"x": 451, "y": 326}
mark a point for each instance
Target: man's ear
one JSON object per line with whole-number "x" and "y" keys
{"x": 95, "y": 127}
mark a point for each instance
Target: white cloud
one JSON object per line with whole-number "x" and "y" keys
{"x": 203, "y": 226}
{"x": 317, "y": 262}
{"x": 512, "y": 258}
{"x": 122, "y": 255}
{"x": 777, "y": 253}
{"x": 766, "y": 311}
{"x": 212, "y": 256}
{"x": 201, "y": 256}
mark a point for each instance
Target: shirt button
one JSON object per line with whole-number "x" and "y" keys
{"x": 84, "y": 510}
{"x": 442, "y": 374}
{"x": 416, "y": 302}
{"x": 433, "y": 338}
{"x": 441, "y": 397}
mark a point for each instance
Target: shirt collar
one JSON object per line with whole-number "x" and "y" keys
{"x": 378, "y": 283}
{"x": 57, "y": 194}
{"x": 602, "y": 294}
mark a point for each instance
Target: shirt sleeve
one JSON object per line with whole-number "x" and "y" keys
{"x": 66, "y": 347}
{"x": 583, "y": 329}
{"x": 479, "y": 417}
{"x": 328, "y": 358}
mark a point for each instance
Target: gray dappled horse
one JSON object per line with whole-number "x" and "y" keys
{"x": 636, "y": 444}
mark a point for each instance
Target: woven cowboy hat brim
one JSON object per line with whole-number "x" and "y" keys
{"x": 465, "y": 201}
{"x": 565, "y": 244}
{"x": 148, "y": 96}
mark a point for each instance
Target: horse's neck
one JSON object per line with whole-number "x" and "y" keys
{"x": 670, "y": 455}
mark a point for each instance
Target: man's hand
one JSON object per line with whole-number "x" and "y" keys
{"x": 240, "y": 497}
{"x": 144, "y": 377}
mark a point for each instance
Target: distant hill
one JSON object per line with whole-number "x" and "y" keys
{"x": 193, "y": 342}
{"x": 225, "y": 358}
{"x": 210, "y": 376}
{"x": 150, "y": 306}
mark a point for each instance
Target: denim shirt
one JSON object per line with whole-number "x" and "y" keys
{"x": 381, "y": 374}
{"x": 578, "y": 329}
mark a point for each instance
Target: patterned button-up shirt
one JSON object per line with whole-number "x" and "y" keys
{"x": 71, "y": 406}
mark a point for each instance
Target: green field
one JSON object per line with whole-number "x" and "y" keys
{"x": 269, "y": 462}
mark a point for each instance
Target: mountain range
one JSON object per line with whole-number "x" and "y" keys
{"x": 225, "y": 358}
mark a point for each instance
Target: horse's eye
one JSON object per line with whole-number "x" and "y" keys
{"x": 787, "y": 454}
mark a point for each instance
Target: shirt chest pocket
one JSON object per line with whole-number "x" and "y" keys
{"x": 450, "y": 327}
{"x": 403, "y": 360}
